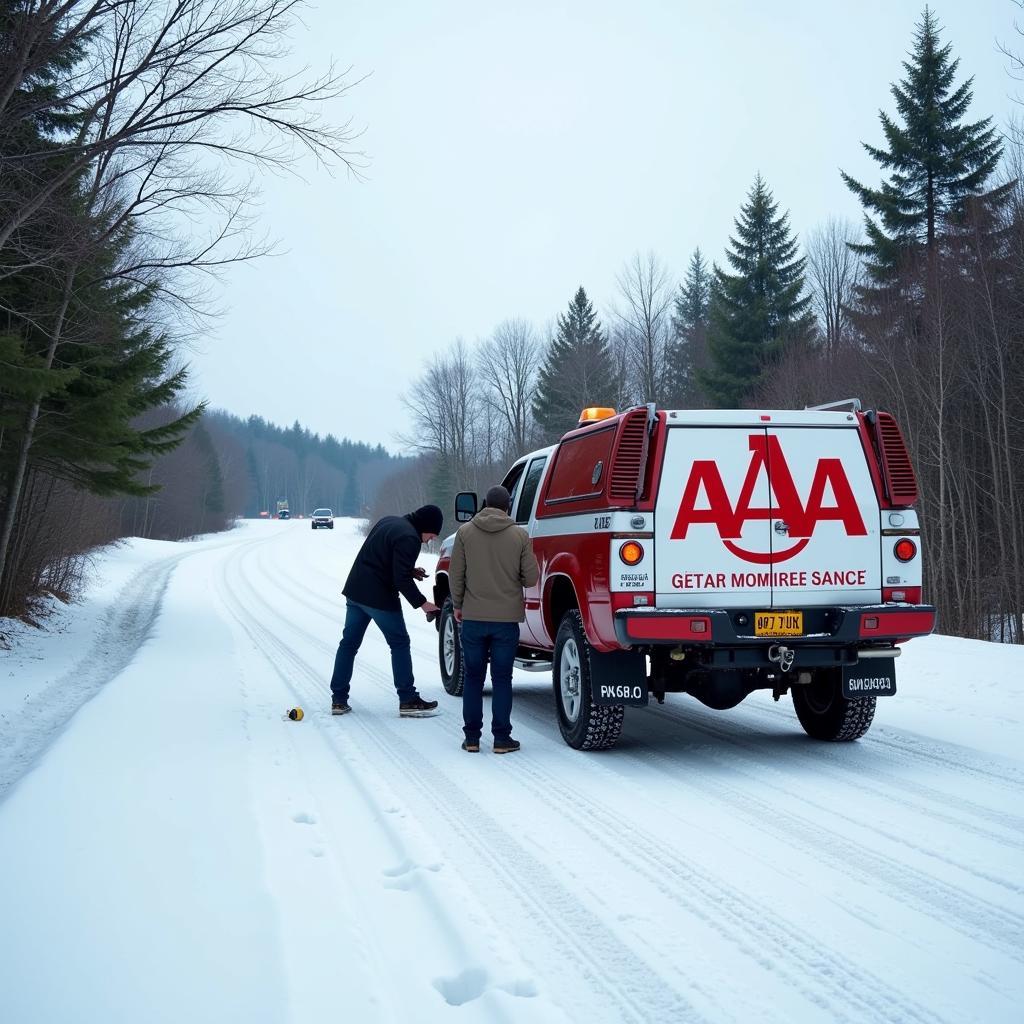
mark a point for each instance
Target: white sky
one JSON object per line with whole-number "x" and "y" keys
{"x": 520, "y": 150}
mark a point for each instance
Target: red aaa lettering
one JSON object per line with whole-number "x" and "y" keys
{"x": 767, "y": 454}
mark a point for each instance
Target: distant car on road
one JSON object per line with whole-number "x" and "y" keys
{"x": 322, "y": 517}
{"x": 284, "y": 514}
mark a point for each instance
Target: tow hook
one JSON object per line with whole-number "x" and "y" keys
{"x": 783, "y": 656}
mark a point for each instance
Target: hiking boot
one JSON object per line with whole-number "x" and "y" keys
{"x": 340, "y": 709}
{"x": 417, "y": 708}
{"x": 509, "y": 746}
{"x": 471, "y": 746}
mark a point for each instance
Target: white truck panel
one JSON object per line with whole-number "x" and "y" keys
{"x": 758, "y": 514}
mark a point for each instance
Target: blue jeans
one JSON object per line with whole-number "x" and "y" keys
{"x": 357, "y": 618}
{"x": 496, "y": 642}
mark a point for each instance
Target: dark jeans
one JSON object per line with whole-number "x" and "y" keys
{"x": 496, "y": 642}
{"x": 392, "y": 625}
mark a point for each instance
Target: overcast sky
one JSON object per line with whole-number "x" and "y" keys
{"x": 520, "y": 150}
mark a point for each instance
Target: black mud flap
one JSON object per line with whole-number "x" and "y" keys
{"x": 619, "y": 677}
{"x": 871, "y": 677}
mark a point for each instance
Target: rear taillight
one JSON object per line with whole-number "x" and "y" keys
{"x": 631, "y": 552}
{"x": 904, "y": 549}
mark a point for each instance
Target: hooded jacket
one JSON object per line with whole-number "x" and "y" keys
{"x": 492, "y": 561}
{"x": 383, "y": 568}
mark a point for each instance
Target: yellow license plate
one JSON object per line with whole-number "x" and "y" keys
{"x": 778, "y": 623}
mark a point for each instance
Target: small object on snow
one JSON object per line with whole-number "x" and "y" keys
{"x": 295, "y": 714}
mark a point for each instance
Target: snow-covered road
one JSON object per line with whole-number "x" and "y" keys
{"x": 176, "y": 850}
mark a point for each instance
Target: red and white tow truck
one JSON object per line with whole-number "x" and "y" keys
{"x": 714, "y": 553}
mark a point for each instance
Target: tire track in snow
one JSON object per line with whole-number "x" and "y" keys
{"x": 979, "y": 919}
{"x": 126, "y": 626}
{"x": 959, "y": 761}
{"x": 821, "y": 968}
{"x": 822, "y": 760}
{"x": 673, "y": 767}
{"x": 638, "y": 992}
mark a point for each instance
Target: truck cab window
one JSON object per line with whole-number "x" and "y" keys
{"x": 528, "y": 493}
{"x": 513, "y": 478}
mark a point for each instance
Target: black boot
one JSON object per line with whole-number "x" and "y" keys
{"x": 417, "y": 708}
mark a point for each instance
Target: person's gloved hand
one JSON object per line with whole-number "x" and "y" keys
{"x": 419, "y": 574}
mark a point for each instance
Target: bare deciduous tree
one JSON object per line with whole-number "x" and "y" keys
{"x": 833, "y": 272}
{"x": 643, "y": 323}
{"x": 508, "y": 363}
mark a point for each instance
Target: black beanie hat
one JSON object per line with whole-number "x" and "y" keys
{"x": 427, "y": 519}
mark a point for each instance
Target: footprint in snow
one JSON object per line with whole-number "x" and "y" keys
{"x": 406, "y": 875}
{"x": 304, "y": 818}
{"x": 473, "y": 982}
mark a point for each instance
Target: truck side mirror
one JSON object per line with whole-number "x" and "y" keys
{"x": 465, "y": 506}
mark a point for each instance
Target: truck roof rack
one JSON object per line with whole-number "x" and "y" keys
{"x": 854, "y": 403}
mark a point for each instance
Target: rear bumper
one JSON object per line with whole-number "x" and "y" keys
{"x": 724, "y": 636}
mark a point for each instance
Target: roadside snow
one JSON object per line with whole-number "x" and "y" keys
{"x": 180, "y": 851}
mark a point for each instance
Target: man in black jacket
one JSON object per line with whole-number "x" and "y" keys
{"x": 385, "y": 568}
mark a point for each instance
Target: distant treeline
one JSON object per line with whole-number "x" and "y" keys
{"x": 224, "y": 468}
{"x": 262, "y": 463}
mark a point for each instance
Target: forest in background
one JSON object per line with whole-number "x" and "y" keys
{"x": 919, "y": 310}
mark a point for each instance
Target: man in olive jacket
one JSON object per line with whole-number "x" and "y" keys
{"x": 492, "y": 561}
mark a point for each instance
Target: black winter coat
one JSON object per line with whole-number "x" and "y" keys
{"x": 383, "y": 568}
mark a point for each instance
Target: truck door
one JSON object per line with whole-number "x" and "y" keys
{"x": 712, "y": 519}
{"x": 523, "y": 513}
{"x": 825, "y": 521}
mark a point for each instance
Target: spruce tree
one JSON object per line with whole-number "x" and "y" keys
{"x": 934, "y": 158}
{"x": 760, "y": 307}
{"x": 577, "y": 371}
{"x": 687, "y": 351}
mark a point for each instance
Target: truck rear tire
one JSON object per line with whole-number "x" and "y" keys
{"x": 449, "y": 651}
{"x": 826, "y": 714}
{"x": 584, "y": 725}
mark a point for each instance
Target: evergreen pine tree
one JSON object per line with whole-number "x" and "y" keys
{"x": 577, "y": 371}
{"x": 935, "y": 160}
{"x": 755, "y": 311}
{"x": 687, "y": 352}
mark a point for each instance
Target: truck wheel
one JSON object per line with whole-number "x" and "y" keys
{"x": 584, "y": 725}
{"x": 826, "y": 714}
{"x": 449, "y": 651}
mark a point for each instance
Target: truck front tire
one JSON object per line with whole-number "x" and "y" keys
{"x": 584, "y": 725}
{"x": 826, "y": 714}
{"x": 449, "y": 651}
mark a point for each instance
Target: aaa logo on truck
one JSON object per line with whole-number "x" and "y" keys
{"x": 766, "y": 454}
